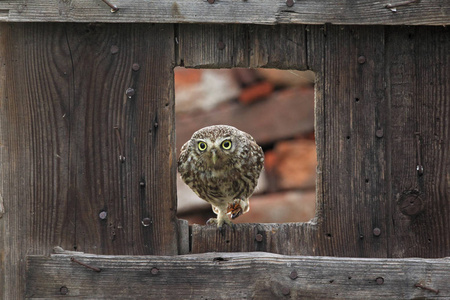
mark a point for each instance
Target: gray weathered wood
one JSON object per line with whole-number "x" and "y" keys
{"x": 268, "y": 12}
{"x": 254, "y": 275}
{"x": 418, "y": 66}
{"x": 62, "y": 90}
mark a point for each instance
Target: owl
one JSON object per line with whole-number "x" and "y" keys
{"x": 222, "y": 164}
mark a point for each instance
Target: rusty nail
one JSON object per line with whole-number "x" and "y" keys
{"x": 290, "y": 3}
{"x": 112, "y": 6}
{"x": 211, "y": 1}
{"x": 361, "y": 59}
{"x": 379, "y": 280}
{"x": 63, "y": 290}
{"x": 129, "y": 92}
{"x": 419, "y": 155}
{"x": 102, "y": 215}
{"x": 421, "y": 286}
{"x": 285, "y": 290}
{"x": 154, "y": 271}
{"x": 85, "y": 265}
{"x": 136, "y": 67}
{"x": 259, "y": 237}
{"x": 379, "y": 133}
{"x": 221, "y": 45}
{"x": 376, "y": 231}
{"x": 390, "y": 6}
{"x": 293, "y": 275}
{"x": 114, "y": 49}
{"x": 146, "y": 222}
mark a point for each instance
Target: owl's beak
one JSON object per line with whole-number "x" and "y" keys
{"x": 214, "y": 157}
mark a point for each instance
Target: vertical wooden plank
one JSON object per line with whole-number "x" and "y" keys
{"x": 62, "y": 95}
{"x": 34, "y": 151}
{"x": 353, "y": 166}
{"x": 418, "y": 68}
{"x": 121, "y": 157}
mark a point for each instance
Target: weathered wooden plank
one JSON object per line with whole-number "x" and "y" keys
{"x": 354, "y": 162}
{"x": 269, "y": 12}
{"x": 34, "y": 89}
{"x": 418, "y": 63}
{"x": 228, "y": 46}
{"x": 62, "y": 90}
{"x": 254, "y": 275}
{"x": 121, "y": 157}
{"x": 293, "y": 114}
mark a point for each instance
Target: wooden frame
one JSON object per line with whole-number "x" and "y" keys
{"x": 67, "y": 122}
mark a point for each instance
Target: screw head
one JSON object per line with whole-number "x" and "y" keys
{"x": 379, "y": 280}
{"x": 361, "y": 59}
{"x": 102, "y": 215}
{"x": 136, "y": 67}
{"x": 146, "y": 222}
{"x": 290, "y": 3}
{"x": 293, "y": 275}
{"x": 259, "y": 237}
{"x": 64, "y": 290}
{"x": 130, "y": 92}
{"x": 114, "y": 49}
{"x": 376, "y": 231}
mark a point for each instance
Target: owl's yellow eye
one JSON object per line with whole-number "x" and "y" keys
{"x": 226, "y": 145}
{"x": 202, "y": 146}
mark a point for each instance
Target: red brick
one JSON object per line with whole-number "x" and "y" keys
{"x": 255, "y": 92}
{"x": 186, "y": 77}
{"x": 296, "y": 163}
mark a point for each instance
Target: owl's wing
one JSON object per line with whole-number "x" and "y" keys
{"x": 183, "y": 153}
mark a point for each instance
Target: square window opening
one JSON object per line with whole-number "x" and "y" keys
{"x": 276, "y": 107}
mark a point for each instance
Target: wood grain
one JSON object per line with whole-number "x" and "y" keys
{"x": 62, "y": 94}
{"x": 229, "y": 46}
{"x": 266, "y": 12}
{"x": 254, "y": 275}
{"x": 419, "y": 70}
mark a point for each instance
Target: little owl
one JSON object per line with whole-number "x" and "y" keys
{"x": 221, "y": 164}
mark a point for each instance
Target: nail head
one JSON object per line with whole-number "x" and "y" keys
{"x": 154, "y": 271}
{"x": 361, "y": 59}
{"x": 136, "y": 67}
{"x": 63, "y": 290}
{"x": 142, "y": 183}
{"x": 130, "y": 92}
{"x": 376, "y": 231}
{"x": 379, "y": 133}
{"x": 146, "y": 222}
{"x": 102, "y": 215}
{"x": 114, "y": 49}
{"x": 211, "y": 1}
{"x": 259, "y": 237}
{"x": 379, "y": 280}
{"x": 285, "y": 290}
{"x": 293, "y": 275}
{"x": 290, "y": 3}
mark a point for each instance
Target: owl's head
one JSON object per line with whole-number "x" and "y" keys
{"x": 215, "y": 145}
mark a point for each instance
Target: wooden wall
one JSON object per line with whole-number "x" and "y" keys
{"x": 382, "y": 107}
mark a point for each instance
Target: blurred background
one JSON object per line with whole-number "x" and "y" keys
{"x": 277, "y": 108}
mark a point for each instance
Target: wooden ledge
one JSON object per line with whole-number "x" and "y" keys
{"x": 247, "y": 275}
{"x": 267, "y": 12}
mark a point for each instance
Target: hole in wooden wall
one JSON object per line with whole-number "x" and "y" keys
{"x": 277, "y": 108}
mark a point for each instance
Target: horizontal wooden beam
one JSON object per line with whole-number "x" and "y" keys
{"x": 269, "y": 12}
{"x": 251, "y": 275}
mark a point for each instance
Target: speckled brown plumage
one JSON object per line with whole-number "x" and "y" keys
{"x": 226, "y": 178}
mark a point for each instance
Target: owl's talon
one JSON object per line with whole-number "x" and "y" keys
{"x": 212, "y": 221}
